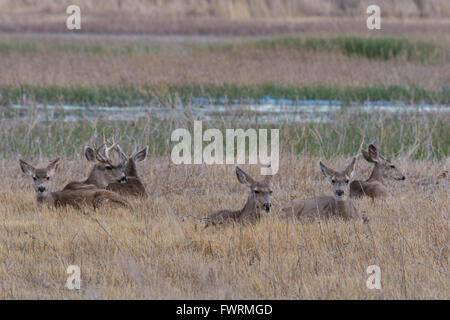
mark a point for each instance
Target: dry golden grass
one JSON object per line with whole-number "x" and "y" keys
{"x": 236, "y": 9}
{"x": 205, "y": 26}
{"x": 239, "y": 65}
{"x": 150, "y": 253}
{"x": 232, "y": 17}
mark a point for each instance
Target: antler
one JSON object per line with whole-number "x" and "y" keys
{"x": 108, "y": 149}
{"x": 105, "y": 155}
{"x": 121, "y": 153}
{"x": 98, "y": 155}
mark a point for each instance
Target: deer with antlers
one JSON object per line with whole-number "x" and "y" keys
{"x": 258, "y": 201}
{"x": 338, "y": 205}
{"x": 104, "y": 171}
{"x": 42, "y": 184}
{"x": 133, "y": 186}
{"x": 375, "y": 185}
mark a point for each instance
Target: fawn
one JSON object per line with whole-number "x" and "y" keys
{"x": 104, "y": 171}
{"x": 133, "y": 186}
{"x": 43, "y": 178}
{"x": 338, "y": 205}
{"x": 258, "y": 200}
{"x": 375, "y": 186}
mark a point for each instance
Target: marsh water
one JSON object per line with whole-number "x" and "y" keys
{"x": 268, "y": 111}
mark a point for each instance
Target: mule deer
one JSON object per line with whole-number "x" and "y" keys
{"x": 104, "y": 171}
{"x": 375, "y": 186}
{"x": 258, "y": 200}
{"x": 43, "y": 178}
{"x": 338, "y": 205}
{"x": 133, "y": 186}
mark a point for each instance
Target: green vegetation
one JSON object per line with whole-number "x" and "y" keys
{"x": 129, "y": 95}
{"x": 89, "y": 47}
{"x": 17, "y": 47}
{"x": 371, "y": 48}
{"x": 383, "y": 48}
{"x": 427, "y": 136}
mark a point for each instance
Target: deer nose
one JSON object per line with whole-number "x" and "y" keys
{"x": 123, "y": 179}
{"x": 403, "y": 177}
{"x": 41, "y": 189}
{"x": 267, "y": 206}
{"x": 339, "y": 193}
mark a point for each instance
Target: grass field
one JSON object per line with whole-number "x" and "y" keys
{"x": 225, "y": 17}
{"x": 420, "y": 137}
{"x": 226, "y": 54}
{"x": 124, "y": 72}
{"x": 151, "y": 253}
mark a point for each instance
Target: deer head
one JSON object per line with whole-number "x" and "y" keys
{"x": 260, "y": 191}
{"x": 340, "y": 180}
{"x": 130, "y": 168}
{"x": 42, "y": 177}
{"x": 385, "y": 167}
{"x": 104, "y": 168}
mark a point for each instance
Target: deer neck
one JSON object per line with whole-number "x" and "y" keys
{"x": 376, "y": 175}
{"x": 344, "y": 207}
{"x": 341, "y": 204}
{"x": 96, "y": 178}
{"x": 249, "y": 207}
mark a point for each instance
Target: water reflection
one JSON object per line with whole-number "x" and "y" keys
{"x": 271, "y": 112}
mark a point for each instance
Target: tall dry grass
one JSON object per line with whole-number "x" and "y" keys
{"x": 237, "y": 9}
{"x": 148, "y": 252}
{"x": 231, "y": 17}
{"x": 178, "y": 62}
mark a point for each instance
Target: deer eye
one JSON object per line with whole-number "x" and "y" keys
{"x": 333, "y": 181}
{"x": 108, "y": 168}
{"x": 257, "y": 191}
{"x": 347, "y": 181}
{"x": 34, "y": 178}
{"x": 270, "y": 192}
{"x": 392, "y": 166}
{"x": 48, "y": 178}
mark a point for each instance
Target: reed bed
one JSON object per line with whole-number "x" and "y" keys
{"x": 241, "y": 17}
{"x": 120, "y": 72}
{"x": 371, "y": 47}
{"x": 219, "y": 94}
{"x": 419, "y": 136}
{"x": 237, "y": 9}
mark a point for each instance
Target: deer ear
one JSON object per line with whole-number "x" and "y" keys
{"x": 243, "y": 177}
{"x": 367, "y": 156}
{"x": 89, "y": 153}
{"x": 350, "y": 169}
{"x": 140, "y": 155}
{"x": 327, "y": 172}
{"x": 26, "y": 168}
{"x": 51, "y": 168}
{"x": 373, "y": 152}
